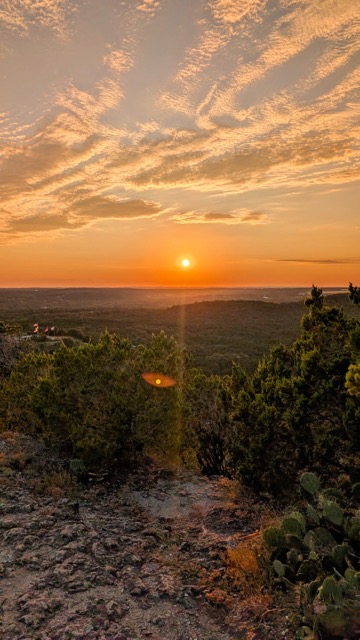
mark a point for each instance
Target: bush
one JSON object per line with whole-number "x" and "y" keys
{"x": 93, "y": 404}
{"x": 208, "y": 406}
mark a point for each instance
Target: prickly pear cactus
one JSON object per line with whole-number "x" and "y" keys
{"x": 310, "y": 483}
{"x": 274, "y": 538}
{"x": 279, "y": 568}
{"x": 352, "y": 528}
{"x": 319, "y": 551}
{"x": 332, "y": 512}
{"x": 331, "y": 591}
{"x": 312, "y": 515}
{"x": 293, "y": 526}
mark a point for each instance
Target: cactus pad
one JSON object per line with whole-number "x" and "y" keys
{"x": 274, "y": 538}
{"x": 310, "y": 483}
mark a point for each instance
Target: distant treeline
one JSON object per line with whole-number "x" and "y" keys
{"x": 216, "y": 333}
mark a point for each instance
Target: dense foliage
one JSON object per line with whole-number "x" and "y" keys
{"x": 294, "y": 412}
{"x": 300, "y": 409}
{"x": 92, "y": 401}
{"x": 208, "y": 402}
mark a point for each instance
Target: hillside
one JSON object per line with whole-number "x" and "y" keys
{"x": 216, "y": 332}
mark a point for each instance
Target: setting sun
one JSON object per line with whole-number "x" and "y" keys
{"x": 185, "y": 262}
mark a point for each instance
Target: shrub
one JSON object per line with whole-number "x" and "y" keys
{"x": 93, "y": 404}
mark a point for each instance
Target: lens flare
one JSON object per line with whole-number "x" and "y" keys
{"x": 158, "y": 379}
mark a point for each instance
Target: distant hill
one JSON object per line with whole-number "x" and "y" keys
{"x": 216, "y": 332}
{"x": 93, "y": 298}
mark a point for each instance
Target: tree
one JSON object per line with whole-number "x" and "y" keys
{"x": 352, "y": 382}
{"x": 10, "y": 347}
{"x": 354, "y": 294}
{"x": 316, "y": 300}
{"x": 208, "y": 401}
{"x": 293, "y": 412}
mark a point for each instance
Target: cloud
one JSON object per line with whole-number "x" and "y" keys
{"x": 39, "y": 223}
{"x": 88, "y": 107}
{"x": 75, "y": 157}
{"x": 196, "y": 161}
{"x": 22, "y": 15}
{"x": 323, "y": 261}
{"x": 98, "y": 207}
{"x": 292, "y": 33}
{"x": 118, "y": 60}
{"x": 249, "y": 217}
{"x": 80, "y": 214}
{"x": 231, "y": 12}
{"x": 215, "y": 36}
{"x": 148, "y": 6}
{"x": 254, "y": 217}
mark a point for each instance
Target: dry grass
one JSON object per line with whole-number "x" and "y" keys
{"x": 58, "y": 482}
{"x": 18, "y": 460}
{"x": 9, "y": 436}
{"x": 243, "y": 566}
{"x": 55, "y": 484}
{"x": 218, "y": 597}
{"x": 3, "y": 459}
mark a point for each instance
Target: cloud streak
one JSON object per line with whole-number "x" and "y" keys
{"x": 78, "y": 215}
{"x": 323, "y": 261}
{"x": 242, "y": 217}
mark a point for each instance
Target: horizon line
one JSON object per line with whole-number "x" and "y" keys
{"x": 165, "y": 287}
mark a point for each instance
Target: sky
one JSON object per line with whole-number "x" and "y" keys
{"x": 137, "y": 133}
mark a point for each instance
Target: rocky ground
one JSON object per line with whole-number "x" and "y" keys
{"x": 147, "y": 558}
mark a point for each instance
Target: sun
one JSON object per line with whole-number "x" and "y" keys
{"x": 185, "y": 262}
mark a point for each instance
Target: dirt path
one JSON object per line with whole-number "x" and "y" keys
{"x": 130, "y": 564}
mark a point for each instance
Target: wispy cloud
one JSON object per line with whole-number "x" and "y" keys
{"x": 242, "y": 217}
{"x": 148, "y": 6}
{"x": 78, "y": 215}
{"x": 118, "y": 60}
{"x": 196, "y": 160}
{"x": 230, "y": 12}
{"x": 323, "y": 261}
{"x": 292, "y": 33}
{"x": 98, "y": 207}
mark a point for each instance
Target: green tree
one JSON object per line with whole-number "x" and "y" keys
{"x": 354, "y": 293}
{"x": 353, "y": 374}
{"x": 16, "y": 408}
{"x": 316, "y": 300}
{"x": 158, "y": 416}
{"x": 293, "y": 413}
{"x": 353, "y": 380}
{"x": 208, "y": 401}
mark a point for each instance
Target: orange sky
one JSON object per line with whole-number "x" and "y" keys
{"x": 136, "y": 133}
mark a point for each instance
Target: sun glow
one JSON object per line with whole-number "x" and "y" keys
{"x": 185, "y": 262}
